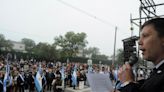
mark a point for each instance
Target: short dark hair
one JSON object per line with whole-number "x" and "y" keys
{"x": 158, "y": 24}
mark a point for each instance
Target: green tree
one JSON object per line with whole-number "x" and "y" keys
{"x": 91, "y": 51}
{"x": 5, "y": 44}
{"x": 71, "y": 43}
{"x": 100, "y": 57}
{"x": 94, "y": 53}
{"x": 2, "y": 40}
{"x": 29, "y": 44}
{"x": 46, "y": 51}
{"x": 120, "y": 57}
{"x": 8, "y": 45}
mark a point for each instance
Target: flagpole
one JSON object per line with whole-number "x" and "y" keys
{"x": 114, "y": 46}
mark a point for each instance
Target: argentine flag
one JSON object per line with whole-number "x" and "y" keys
{"x": 90, "y": 69}
{"x": 6, "y": 78}
{"x": 74, "y": 77}
{"x": 38, "y": 80}
{"x": 62, "y": 73}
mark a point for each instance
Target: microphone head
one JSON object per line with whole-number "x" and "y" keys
{"x": 133, "y": 59}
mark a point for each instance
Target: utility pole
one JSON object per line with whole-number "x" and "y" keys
{"x": 114, "y": 54}
{"x": 131, "y": 28}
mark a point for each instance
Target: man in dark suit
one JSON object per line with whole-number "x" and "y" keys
{"x": 1, "y": 73}
{"x": 20, "y": 81}
{"x": 31, "y": 81}
{"x": 1, "y": 81}
{"x": 151, "y": 44}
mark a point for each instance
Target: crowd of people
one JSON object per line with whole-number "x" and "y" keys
{"x": 54, "y": 74}
{"x": 21, "y": 74}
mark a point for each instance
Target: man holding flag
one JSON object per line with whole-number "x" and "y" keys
{"x": 38, "y": 80}
{"x": 7, "y": 81}
{"x": 74, "y": 77}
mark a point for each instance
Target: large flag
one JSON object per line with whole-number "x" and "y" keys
{"x": 90, "y": 70}
{"x": 62, "y": 73}
{"x": 38, "y": 80}
{"x": 6, "y": 78}
{"x": 74, "y": 76}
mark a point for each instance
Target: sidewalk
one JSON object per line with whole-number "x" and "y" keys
{"x": 85, "y": 89}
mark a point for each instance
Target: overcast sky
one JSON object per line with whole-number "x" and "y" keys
{"x": 42, "y": 20}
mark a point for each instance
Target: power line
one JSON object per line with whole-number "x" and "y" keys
{"x": 87, "y": 13}
{"x": 93, "y": 16}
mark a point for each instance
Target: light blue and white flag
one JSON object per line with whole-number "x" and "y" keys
{"x": 6, "y": 78}
{"x": 90, "y": 70}
{"x": 38, "y": 80}
{"x": 62, "y": 73}
{"x": 74, "y": 76}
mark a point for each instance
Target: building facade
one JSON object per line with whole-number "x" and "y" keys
{"x": 18, "y": 46}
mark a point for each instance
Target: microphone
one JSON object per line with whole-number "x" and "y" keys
{"x": 132, "y": 60}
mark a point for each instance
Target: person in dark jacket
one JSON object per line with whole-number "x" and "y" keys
{"x": 151, "y": 43}
{"x": 58, "y": 82}
{"x": 26, "y": 82}
{"x": 31, "y": 81}
{"x": 1, "y": 81}
{"x": 49, "y": 77}
{"x": 20, "y": 81}
{"x": 44, "y": 81}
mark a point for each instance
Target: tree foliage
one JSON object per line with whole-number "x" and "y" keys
{"x": 94, "y": 53}
{"x": 45, "y": 51}
{"x": 120, "y": 56}
{"x": 71, "y": 43}
{"x": 91, "y": 51}
{"x": 100, "y": 57}
{"x": 68, "y": 46}
{"x": 2, "y": 40}
{"x": 5, "y": 44}
{"x": 29, "y": 44}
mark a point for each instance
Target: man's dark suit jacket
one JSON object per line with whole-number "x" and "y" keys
{"x": 1, "y": 85}
{"x": 20, "y": 82}
{"x": 155, "y": 83}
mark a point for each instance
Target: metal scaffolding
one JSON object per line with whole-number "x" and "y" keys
{"x": 147, "y": 10}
